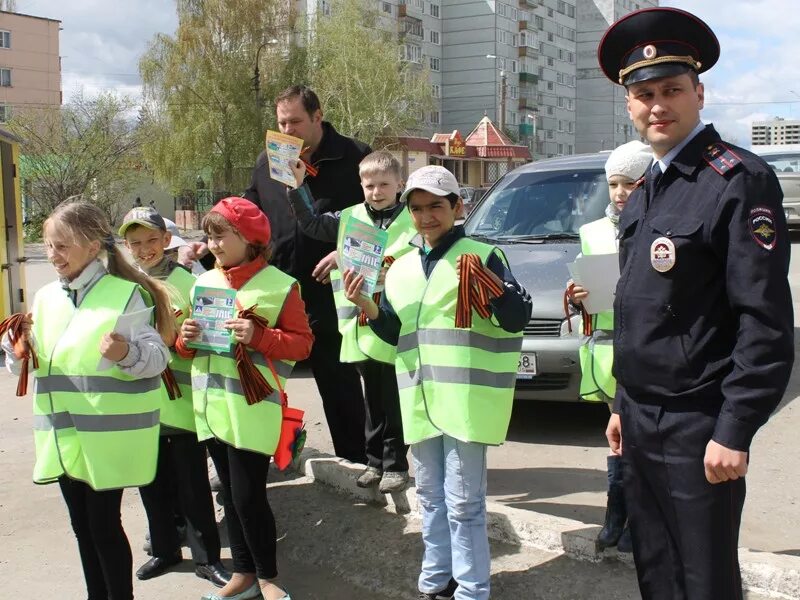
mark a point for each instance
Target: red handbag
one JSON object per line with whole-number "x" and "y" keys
{"x": 293, "y": 432}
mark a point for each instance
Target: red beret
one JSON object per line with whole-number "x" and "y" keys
{"x": 246, "y": 218}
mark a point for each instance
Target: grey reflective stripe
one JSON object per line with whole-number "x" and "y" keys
{"x": 439, "y": 374}
{"x": 96, "y": 423}
{"x": 603, "y": 336}
{"x": 231, "y": 385}
{"x": 182, "y": 377}
{"x": 60, "y": 420}
{"x": 347, "y": 312}
{"x": 458, "y": 337}
{"x": 282, "y": 368}
{"x": 94, "y": 384}
{"x": 337, "y": 284}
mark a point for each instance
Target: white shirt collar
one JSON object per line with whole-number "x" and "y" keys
{"x": 667, "y": 159}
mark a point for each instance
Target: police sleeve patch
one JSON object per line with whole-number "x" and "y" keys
{"x": 762, "y": 227}
{"x": 721, "y": 158}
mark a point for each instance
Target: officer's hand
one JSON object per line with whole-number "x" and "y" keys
{"x": 242, "y": 329}
{"x": 322, "y": 272}
{"x": 190, "y": 330}
{"x": 113, "y": 346}
{"x": 614, "y": 434}
{"x": 723, "y": 464}
{"x": 299, "y": 171}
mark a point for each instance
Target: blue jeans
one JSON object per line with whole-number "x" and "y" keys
{"x": 451, "y": 487}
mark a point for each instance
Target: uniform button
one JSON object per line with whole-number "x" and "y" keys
{"x": 669, "y": 231}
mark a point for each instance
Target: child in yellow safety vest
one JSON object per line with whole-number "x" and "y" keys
{"x": 182, "y": 476}
{"x": 238, "y": 393}
{"x": 455, "y": 373}
{"x": 95, "y": 426}
{"x": 387, "y": 463}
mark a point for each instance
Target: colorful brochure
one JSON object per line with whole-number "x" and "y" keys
{"x": 282, "y": 150}
{"x": 211, "y": 307}
{"x": 363, "y": 246}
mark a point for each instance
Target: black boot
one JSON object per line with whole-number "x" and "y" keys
{"x": 616, "y": 515}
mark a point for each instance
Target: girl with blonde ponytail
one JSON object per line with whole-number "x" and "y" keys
{"x": 96, "y": 431}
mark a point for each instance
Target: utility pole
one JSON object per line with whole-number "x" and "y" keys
{"x": 502, "y": 101}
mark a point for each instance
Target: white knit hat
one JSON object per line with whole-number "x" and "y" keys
{"x": 630, "y": 160}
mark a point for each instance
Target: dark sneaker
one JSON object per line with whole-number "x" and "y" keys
{"x": 370, "y": 477}
{"x": 393, "y": 481}
{"x": 446, "y": 594}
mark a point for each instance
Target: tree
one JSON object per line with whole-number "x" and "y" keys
{"x": 357, "y": 68}
{"x": 199, "y": 112}
{"x": 86, "y": 148}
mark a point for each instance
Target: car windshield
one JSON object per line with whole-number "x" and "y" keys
{"x": 540, "y": 205}
{"x": 784, "y": 163}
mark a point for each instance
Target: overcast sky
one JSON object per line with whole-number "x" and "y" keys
{"x": 757, "y": 76}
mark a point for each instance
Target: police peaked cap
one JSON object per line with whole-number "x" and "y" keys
{"x": 656, "y": 42}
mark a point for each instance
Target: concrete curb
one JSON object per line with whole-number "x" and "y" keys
{"x": 768, "y": 573}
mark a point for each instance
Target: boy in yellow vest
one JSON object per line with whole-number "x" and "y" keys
{"x": 456, "y": 382}
{"x": 182, "y": 469}
{"x": 387, "y": 465}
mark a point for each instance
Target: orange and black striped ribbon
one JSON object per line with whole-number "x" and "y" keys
{"x": 475, "y": 289}
{"x": 22, "y": 348}
{"x": 585, "y": 316}
{"x": 376, "y": 297}
{"x": 254, "y": 385}
{"x": 168, "y": 377}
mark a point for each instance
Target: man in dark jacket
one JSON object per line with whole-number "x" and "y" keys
{"x": 335, "y": 187}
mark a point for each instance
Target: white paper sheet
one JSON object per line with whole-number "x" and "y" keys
{"x": 127, "y": 325}
{"x": 598, "y": 273}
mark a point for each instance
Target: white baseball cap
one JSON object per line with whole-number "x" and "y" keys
{"x": 177, "y": 241}
{"x": 434, "y": 179}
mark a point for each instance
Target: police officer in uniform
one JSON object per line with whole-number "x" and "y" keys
{"x": 703, "y": 335}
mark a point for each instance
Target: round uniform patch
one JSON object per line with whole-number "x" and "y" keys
{"x": 662, "y": 254}
{"x": 762, "y": 227}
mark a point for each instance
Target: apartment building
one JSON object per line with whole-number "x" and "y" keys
{"x": 529, "y": 65}
{"x": 603, "y": 122}
{"x": 30, "y": 63}
{"x": 776, "y": 132}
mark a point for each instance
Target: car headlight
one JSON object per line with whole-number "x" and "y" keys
{"x": 575, "y": 322}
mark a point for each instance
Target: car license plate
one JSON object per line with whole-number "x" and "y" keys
{"x": 528, "y": 366}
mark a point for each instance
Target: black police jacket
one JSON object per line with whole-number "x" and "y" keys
{"x": 334, "y": 188}
{"x": 716, "y": 329}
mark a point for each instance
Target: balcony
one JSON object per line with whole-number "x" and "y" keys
{"x": 410, "y": 6}
{"x": 529, "y": 3}
{"x": 528, "y": 51}
{"x": 523, "y": 25}
{"x": 531, "y": 78}
{"x": 527, "y": 104}
{"x": 526, "y": 129}
{"x": 411, "y": 27}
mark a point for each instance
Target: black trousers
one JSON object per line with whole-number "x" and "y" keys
{"x": 248, "y": 516}
{"x": 182, "y": 471}
{"x": 340, "y": 388}
{"x": 384, "y": 426}
{"x": 102, "y": 543}
{"x": 685, "y": 531}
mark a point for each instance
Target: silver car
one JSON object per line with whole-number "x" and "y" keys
{"x": 786, "y": 165}
{"x": 533, "y": 214}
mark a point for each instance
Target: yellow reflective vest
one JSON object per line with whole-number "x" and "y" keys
{"x": 220, "y": 407}
{"x": 97, "y": 427}
{"x": 358, "y": 341}
{"x": 454, "y": 381}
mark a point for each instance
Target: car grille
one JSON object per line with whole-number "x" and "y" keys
{"x": 543, "y": 328}
{"x": 545, "y": 382}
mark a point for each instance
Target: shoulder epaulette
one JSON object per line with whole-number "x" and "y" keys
{"x": 721, "y": 158}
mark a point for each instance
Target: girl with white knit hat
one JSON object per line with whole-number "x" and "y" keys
{"x": 624, "y": 167}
